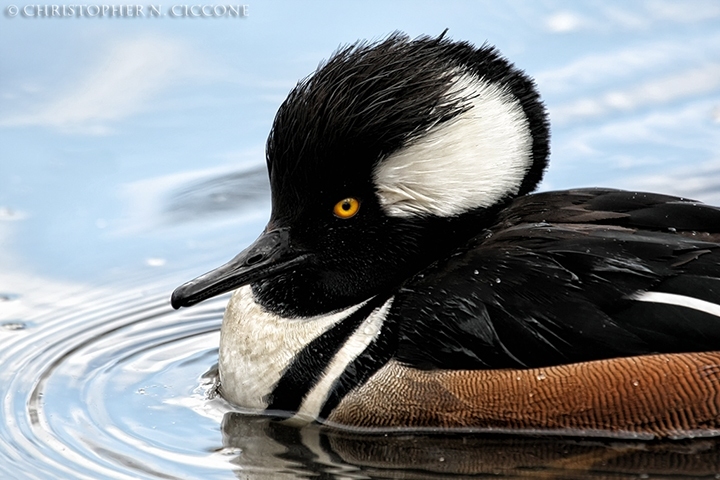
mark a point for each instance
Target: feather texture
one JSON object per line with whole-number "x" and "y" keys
{"x": 559, "y": 279}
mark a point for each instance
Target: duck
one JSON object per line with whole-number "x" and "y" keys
{"x": 409, "y": 278}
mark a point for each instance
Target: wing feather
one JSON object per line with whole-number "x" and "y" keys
{"x": 557, "y": 281}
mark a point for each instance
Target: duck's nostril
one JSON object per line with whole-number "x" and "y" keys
{"x": 254, "y": 259}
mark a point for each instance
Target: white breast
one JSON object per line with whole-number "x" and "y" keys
{"x": 256, "y": 347}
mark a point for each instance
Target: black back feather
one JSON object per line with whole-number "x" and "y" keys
{"x": 557, "y": 279}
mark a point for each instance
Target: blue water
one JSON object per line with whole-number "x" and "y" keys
{"x": 132, "y": 159}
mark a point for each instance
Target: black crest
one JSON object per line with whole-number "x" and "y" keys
{"x": 370, "y": 99}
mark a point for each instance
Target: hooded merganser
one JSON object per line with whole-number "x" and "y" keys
{"x": 408, "y": 278}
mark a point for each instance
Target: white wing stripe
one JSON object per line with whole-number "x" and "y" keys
{"x": 679, "y": 300}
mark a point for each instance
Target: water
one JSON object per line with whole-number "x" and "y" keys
{"x": 131, "y": 160}
{"x": 72, "y": 384}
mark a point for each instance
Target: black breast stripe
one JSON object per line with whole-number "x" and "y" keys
{"x": 377, "y": 354}
{"x": 308, "y": 366}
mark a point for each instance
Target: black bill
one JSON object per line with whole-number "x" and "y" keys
{"x": 269, "y": 255}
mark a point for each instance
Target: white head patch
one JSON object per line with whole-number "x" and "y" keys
{"x": 471, "y": 161}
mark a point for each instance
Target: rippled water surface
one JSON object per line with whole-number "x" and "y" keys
{"x": 131, "y": 160}
{"x": 75, "y": 381}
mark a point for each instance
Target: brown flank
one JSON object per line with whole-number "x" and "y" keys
{"x": 668, "y": 395}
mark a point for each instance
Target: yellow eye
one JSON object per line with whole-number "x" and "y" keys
{"x": 346, "y": 208}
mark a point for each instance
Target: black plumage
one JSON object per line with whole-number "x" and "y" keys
{"x": 555, "y": 281}
{"x": 506, "y": 280}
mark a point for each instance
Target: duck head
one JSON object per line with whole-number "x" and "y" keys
{"x": 389, "y": 155}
